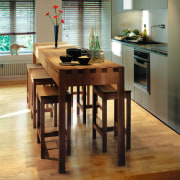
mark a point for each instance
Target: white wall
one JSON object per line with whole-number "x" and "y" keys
{"x": 44, "y": 27}
{"x": 124, "y": 19}
{"x": 106, "y": 30}
{"x": 156, "y": 17}
{"x": 174, "y": 64}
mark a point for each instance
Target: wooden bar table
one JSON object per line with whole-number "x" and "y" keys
{"x": 103, "y": 73}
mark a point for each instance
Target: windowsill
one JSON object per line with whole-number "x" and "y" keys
{"x": 19, "y": 54}
{"x": 8, "y": 58}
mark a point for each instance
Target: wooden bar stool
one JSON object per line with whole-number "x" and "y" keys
{"x": 47, "y": 95}
{"x": 39, "y": 77}
{"x": 107, "y": 92}
{"x": 30, "y": 68}
{"x": 85, "y": 101}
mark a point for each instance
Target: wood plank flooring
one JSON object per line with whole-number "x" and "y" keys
{"x": 155, "y": 152}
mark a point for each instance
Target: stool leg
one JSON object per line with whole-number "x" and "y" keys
{"x": 34, "y": 105}
{"x": 69, "y": 125}
{"x": 104, "y": 120}
{"x": 38, "y": 120}
{"x": 84, "y": 104}
{"x": 55, "y": 114}
{"x": 128, "y": 118}
{"x": 78, "y": 96}
{"x": 115, "y": 117}
{"x": 71, "y": 96}
{"x": 42, "y": 129}
{"x": 50, "y": 106}
{"x": 31, "y": 99}
{"x": 94, "y": 115}
{"x": 88, "y": 95}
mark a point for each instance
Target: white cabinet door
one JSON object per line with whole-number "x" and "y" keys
{"x": 128, "y": 62}
{"x": 116, "y": 52}
{"x": 127, "y": 4}
{"x": 150, "y": 4}
{"x": 159, "y": 86}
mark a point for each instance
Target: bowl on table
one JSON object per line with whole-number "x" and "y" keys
{"x": 66, "y": 59}
{"x": 83, "y": 60}
{"x": 74, "y": 52}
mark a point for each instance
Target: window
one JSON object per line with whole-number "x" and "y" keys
{"x": 80, "y": 16}
{"x": 17, "y": 25}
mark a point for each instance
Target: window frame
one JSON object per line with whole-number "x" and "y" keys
{"x": 13, "y": 16}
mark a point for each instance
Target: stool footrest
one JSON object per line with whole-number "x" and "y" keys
{"x": 86, "y": 106}
{"x": 51, "y": 134}
{"x": 100, "y": 129}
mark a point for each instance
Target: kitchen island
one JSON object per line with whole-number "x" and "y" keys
{"x": 103, "y": 73}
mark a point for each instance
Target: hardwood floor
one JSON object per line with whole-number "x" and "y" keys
{"x": 155, "y": 152}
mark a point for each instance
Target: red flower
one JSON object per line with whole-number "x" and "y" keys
{"x": 47, "y": 14}
{"x": 55, "y": 7}
{"x": 57, "y": 16}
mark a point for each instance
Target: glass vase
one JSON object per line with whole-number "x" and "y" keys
{"x": 56, "y": 30}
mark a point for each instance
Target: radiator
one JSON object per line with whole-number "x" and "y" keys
{"x": 14, "y": 70}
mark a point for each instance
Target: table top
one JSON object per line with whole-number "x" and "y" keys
{"x": 105, "y": 72}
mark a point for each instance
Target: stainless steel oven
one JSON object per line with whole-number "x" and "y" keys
{"x": 142, "y": 69}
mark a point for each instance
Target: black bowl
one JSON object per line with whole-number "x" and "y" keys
{"x": 65, "y": 59}
{"x": 83, "y": 60}
{"x": 75, "y": 52}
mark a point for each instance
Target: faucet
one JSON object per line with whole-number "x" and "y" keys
{"x": 159, "y": 26}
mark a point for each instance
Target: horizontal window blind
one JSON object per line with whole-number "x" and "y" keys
{"x": 17, "y": 17}
{"x": 80, "y": 16}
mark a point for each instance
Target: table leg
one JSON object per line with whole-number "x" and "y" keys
{"x": 121, "y": 123}
{"x": 62, "y": 96}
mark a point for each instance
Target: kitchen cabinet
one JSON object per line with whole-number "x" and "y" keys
{"x": 128, "y": 62}
{"x": 123, "y": 55}
{"x": 116, "y": 52}
{"x": 159, "y": 86}
{"x": 145, "y": 4}
{"x": 127, "y": 4}
{"x": 150, "y": 4}
{"x": 157, "y": 101}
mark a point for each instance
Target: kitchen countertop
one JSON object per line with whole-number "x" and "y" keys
{"x": 161, "y": 49}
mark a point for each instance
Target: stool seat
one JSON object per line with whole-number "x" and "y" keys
{"x": 107, "y": 92}
{"x": 46, "y": 95}
{"x": 30, "y": 68}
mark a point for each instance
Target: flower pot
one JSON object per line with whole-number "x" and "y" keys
{"x": 56, "y": 30}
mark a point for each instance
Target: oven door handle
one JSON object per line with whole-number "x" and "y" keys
{"x": 140, "y": 58}
{"x": 141, "y": 63}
